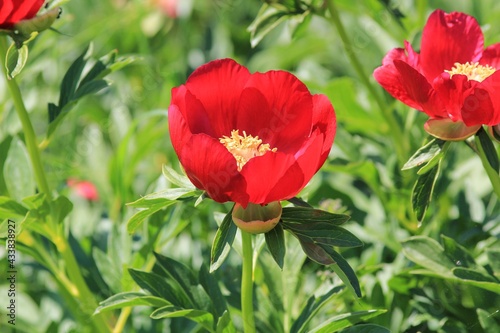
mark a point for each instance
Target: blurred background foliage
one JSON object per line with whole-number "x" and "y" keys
{"x": 118, "y": 140}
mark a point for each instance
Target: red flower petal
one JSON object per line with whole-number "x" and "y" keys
{"x": 453, "y": 92}
{"x": 5, "y": 11}
{"x": 419, "y": 90}
{"x": 446, "y": 129}
{"x": 277, "y": 107}
{"x": 482, "y": 106}
{"x": 449, "y": 38}
{"x": 218, "y": 86}
{"x": 491, "y": 56}
{"x": 211, "y": 167}
{"x": 325, "y": 121}
{"x": 390, "y": 78}
{"x": 23, "y": 10}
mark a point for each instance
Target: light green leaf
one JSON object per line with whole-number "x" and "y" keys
{"x": 267, "y": 19}
{"x": 125, "y": 299}
{"x": 201, "y": 317}
{"x": 487, "y": 321}
{"x": 15, "y": 59}
{"x": 431, "y": 150}
{"x": 176, "y": 178}
{"x": 11, "y": 209}
{"x": 428, "y": 253}
{"x": 345, "y": 320}
{"x": 17, "y": 171}
{"x": 225, "y": 324}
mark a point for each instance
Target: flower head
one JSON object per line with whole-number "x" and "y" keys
{"x": 84, "y": 189}
{"x": 249, "y": 138}
{"x": 454, "y": 79}
{"x": 14, "y": 11}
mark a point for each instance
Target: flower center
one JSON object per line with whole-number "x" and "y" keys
{"x": 245, "y": 147}
{"x": 473, "y": 71}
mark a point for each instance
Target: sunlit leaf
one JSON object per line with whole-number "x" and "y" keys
{"x": 201, "y": 317}
{"x": 267, "y": 19}
{"x": 225, "y": 324}
{"x": 345, "y": 320}
{"x": 428, "y": 253}
{"x": 125, "y": 299}
{"x": 17, "y": 171}
{"x": 422, "y": 192}
{"x": 431, "y": 150}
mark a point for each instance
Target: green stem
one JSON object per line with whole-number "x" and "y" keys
{"x": 492, "y": 173}
{"x": 80, "y": 291}
{"x": 247, "y": 283}
{"x": 394, "y": 128}
{"x": 29, "y": 133}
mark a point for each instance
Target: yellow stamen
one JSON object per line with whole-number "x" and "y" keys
{"x": 473, "y": 71}
{"x": 245, "y": 147}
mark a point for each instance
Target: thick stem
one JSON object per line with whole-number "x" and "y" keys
{"x": 29, "y": 133}
{"x": 394, "y": 127}
{"x": 247, "y": 283}
{"x": 492, "y": 173}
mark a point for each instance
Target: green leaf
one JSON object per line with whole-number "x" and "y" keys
{"x": 61, "y": 207}
{"x": 72, "y": 77}
{"x": 314, "y": 251}
{"x": 422, "y": 192}
{"x": 303, "y": 215}
{"x": 201, "y": 317}
{"x": 222, "y": 241}
{"x": 489, "y": 149}
{"x": 211, "y": 286}
{"x": 156, "y": 285}
{"x": 366, "y": 328}
{"x": 225, "y": 324}
{"x": 15, "y": 59}
{"x": 458, "y": 254}
{"x": 324, "y": 233}
{"x": 428, "y": 152}
{"x": 176, "y": 178}
{"x": 152, "y": 203}
{"x": 275, "y": 241}
{"x": 345, "y": 320}
{"x": 428, "y": 253}
{"x": 17, "y": 171}
{"x": 91, "y": 87}
{"x": 11, "y": 209}
{"x": 487, "y": 321}
{"x": 125, "y": 299}
{"x": 311, "y": 309}
{"x": 109, "y": 268}
{"x": 477, "y": 279}
{"x": 494, "y": 259}
{"x": 344, "y": 271}
{"x": 267, "y": 19}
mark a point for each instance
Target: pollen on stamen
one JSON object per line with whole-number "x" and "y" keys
{"x": 473, "y": 71}
{"x": 245, "y": 147}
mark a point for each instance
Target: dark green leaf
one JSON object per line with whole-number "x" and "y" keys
{"x": 311, "y": 309}
{"x": 426, "y": 153}
{"x": 72, "y": 77}
{"x": 91, "y": 87}
{"x": 458, "y": 254}
{"x": 314, "y": 251}
{"x": 471, "y": 274}
{"x": 156, "y": 285}
{"x": 222, "y": 241}
{"x": 125, "y": 299}
{"x": 267, "y": 19}
{"x": 489, "y": 149}
{"x": 324, "y": 233}
{"x": 345, "y": 320}
{"x": 11, "y": 209}
{"x": 203, "y": 318}
{"x": 422, "y": 192}
{"x": 275, "y": 240}
{"x": 304, "y": 215}
{"x": 344, "y": 271}
{"x": 211, "y": 286}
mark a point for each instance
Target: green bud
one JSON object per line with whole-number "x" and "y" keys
{"x": 257, "y": 219}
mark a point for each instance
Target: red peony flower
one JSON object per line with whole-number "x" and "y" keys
{"x": 454, "y": 80}
{"x": 13, "y": 11}
{"x": 249, "y": 138}
{"x": 84, "y": 189}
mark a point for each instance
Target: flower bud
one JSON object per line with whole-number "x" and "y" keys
{"x": 257, "y": 219}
